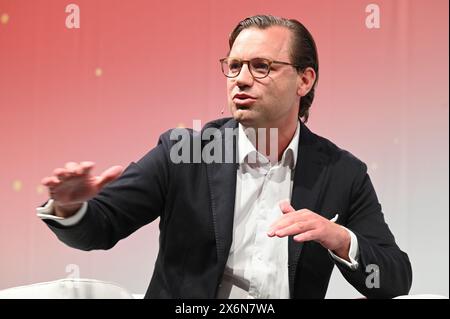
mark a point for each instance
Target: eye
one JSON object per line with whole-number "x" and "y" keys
{"x": 234, "y": 65}
{"x": 260, "y": 65}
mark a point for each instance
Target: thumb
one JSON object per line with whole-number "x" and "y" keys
{"x": 285, "y": 206}
{"x": 109, "y": 175}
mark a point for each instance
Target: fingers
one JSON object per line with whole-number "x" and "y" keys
{"x": 307, "y": 236}
{"x": 61, "y": 173}
{"x": 50, "y": 181}
{"x": 79, "y": 168}
{"x": 109, "y": 175}
{"x": 282, "y": 222}
{"x": 83, "y": 169}
{"x": 72, "y": 169}
{"x": 86, "y": 167}
{"x": 287, "y": 220}
{"x": 285, "y": 206}
{"x": 71, "y": 166}
{"x": 294, "y": 229}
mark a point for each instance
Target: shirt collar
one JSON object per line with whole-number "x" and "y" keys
{"x": 245, "y": 147}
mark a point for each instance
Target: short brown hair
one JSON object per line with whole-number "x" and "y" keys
{"x": 303, "y": 51}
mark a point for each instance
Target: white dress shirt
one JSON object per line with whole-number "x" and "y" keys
{"x": 257, "y": 265}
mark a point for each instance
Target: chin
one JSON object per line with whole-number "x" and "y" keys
{"x": 246, "y": 118}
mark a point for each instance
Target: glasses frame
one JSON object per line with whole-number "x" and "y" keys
{"x": 270, "y": 62}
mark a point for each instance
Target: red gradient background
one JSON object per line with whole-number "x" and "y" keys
{"x": 383, "y": 95}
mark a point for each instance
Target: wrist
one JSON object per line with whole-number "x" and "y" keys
{"x": 66, "y": 211}
{"x": 343, "y": 250}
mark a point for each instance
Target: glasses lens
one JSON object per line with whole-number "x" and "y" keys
{"x": 231, "y": 67}
{"x": 260, "y": 67}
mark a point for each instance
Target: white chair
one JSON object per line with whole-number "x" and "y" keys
{"x": 421, "y": 296}
{"x": 73, "y": 288}
{"x": 68, "y": 288}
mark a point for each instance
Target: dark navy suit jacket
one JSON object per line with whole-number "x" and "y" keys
{"x": 195, "y": 203}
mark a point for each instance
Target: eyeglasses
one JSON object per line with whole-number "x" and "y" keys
{"x": 259, "y": 67}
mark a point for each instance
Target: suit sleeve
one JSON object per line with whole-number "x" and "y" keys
{"x": 135, "y": 199}
{"x": 384, "y": 270}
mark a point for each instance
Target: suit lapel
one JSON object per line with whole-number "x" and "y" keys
{"x": 308, "y": 180}
{"x": 222, "y": 184}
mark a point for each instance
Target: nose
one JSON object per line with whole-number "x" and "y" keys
{"x": 244, "y": 78}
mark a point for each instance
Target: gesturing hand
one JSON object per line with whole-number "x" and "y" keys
{"x": 74, "y": 184}
{"x": 305, "y": 225}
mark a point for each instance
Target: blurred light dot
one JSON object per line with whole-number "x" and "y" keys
{"x": 98, "y": 72}
{"x": 17, "y": 185}
{"x": 181, "y": 125}
{"x": 4, "y": 18}
{"x": 40, "y": 189}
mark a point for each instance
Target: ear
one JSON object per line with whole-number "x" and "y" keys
{"x": 306, "y": 80}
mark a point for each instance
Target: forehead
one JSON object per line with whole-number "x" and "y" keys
{"x": 272, "y": 43}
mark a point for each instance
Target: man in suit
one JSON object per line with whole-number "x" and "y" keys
{"x": 226, "y": 228}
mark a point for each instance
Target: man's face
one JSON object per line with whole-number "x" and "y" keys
{"x": 274, "y": 100}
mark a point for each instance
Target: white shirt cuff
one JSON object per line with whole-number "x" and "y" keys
{"x": 352, "y": 253}
{"x": 47, "y": 212}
